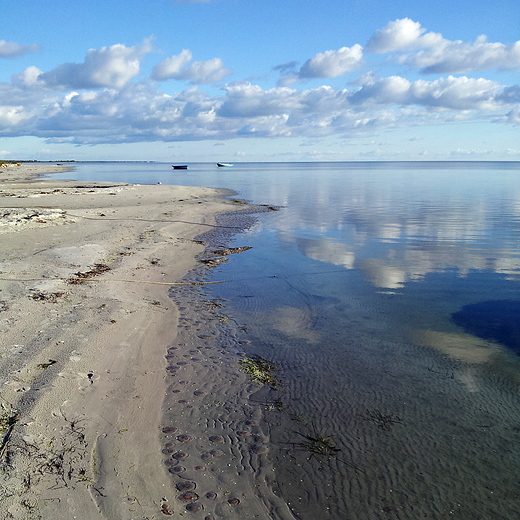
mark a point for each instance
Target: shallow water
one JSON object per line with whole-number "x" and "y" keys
{"x": 387, "y": 294}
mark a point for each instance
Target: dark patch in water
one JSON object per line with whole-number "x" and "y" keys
{"x": 494, "y": 320}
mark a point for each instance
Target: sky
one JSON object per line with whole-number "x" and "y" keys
{"x": 251, "y": 80}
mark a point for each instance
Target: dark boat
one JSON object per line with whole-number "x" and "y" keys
{"x": 224, "y": 165}
{"x": 180, "y": 166}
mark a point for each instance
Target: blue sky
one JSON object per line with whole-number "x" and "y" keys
{"x": 251, "y": 80}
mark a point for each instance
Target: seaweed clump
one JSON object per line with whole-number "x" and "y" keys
{"x": 260, "y": 370}
{"x": 80, "y": 277}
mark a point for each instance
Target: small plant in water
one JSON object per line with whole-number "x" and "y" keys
{"x": 320, "y": 446}
{"x": 261, "y": 370}
{"x": 385, "y": 422}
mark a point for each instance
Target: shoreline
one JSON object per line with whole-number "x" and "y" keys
{"x": 86, "y": 320}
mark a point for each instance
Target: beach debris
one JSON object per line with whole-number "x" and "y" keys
{"x": 8, "y": 418}
{"x": 260, "y": 370}
{"x": 218, "y": 256}
{"x": 47, "y": 297}
{"x": 62, "y": 458}
{"x": 80, "y": 277}
{"x": 231, "y": 250}
{"x": 43, "y": 366}
{"x": 212, "y": 262}
{"x": 384, "y": 422}
{"x": 165, "y": 508}
{"x": 3, "y": 306}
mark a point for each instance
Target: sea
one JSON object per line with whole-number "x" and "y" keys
{"x": 387, "y": 297}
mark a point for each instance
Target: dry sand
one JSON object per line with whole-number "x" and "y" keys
{"x": 86, "y": 320}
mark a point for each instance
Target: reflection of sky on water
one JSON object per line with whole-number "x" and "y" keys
{"x": 399, "y": 226}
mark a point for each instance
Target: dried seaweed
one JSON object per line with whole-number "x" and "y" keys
{"x": 83, "y": 277}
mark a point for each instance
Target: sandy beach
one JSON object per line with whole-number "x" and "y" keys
{"x": 89, "y": 331}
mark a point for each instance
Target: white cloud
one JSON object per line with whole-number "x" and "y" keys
{"x": 448, "y": 93}
{"x": 110, "y": 67}
{"x": 328, "y": 64}
{"x": 202, "y": 72}
{"x": 171, "y": 67}
{"x": 433, "y": 54}
{"x": 460, "y": 57}
{"x": 198, "y": 73}
{"x": 331, "y": 64}
{"x": 11, "y": 116}
{"x": 101, "y": 101}
{"x": 28, "y": 78}
{"x": 138, "y": 112}
{"x": 12, "y": 50}
{"x": 404, "y": 34}
{"x": 245, "y": 100}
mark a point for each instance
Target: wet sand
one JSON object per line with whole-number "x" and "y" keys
{"x": 94, "y": 420}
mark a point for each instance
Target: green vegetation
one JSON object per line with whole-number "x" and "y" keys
{"x": 261, "y": 370}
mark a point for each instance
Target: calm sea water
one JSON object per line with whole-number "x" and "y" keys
{"x": 388, "y": 296}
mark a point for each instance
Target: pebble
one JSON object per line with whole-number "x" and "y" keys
{"x": 194, "y": 508}
{"x": 189, "y": 496}
{"x": 186, "y": 485}
{"x": 170, "y": 429}
{"x": 180, "y": 455}
{"x": 176, "y": 470}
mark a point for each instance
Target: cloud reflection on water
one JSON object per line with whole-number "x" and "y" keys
{"x": 399, "y": 227}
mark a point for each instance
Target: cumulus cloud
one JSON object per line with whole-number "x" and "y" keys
{"x": 401, "y": 35}
{"x": 12, "y": 50}
{"x": 331, "y": 64}
{"x": 28, "y": 78}
{"x": 461, "y": 57}
{"x": 110, "y": 67}
{"x": 101, "y": 101}
{"x": 328, "y": 64}
{"x": 433, "y": 54}
{"x": 449, "y": 93}
{"x": 197, "y": 73}
{"x": 139, "y": 112}
{"x": 171, "y": 67}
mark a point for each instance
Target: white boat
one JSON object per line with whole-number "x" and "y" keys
{"x": 224, "y": 165}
